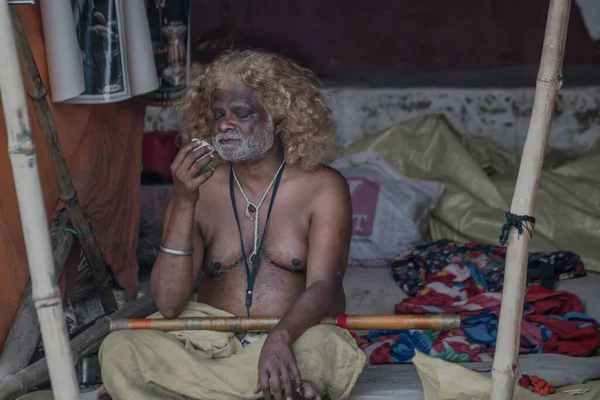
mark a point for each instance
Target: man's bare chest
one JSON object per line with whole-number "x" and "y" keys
{"x": 279, "y": 239}
{"x": 273, "y": 226}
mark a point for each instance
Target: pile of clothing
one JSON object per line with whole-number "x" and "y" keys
{"x": 445, "y": 277}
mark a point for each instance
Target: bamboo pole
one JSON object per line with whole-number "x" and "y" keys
{"x": 24, "y": 333}
{"x": 66, "y": 191}
{"x": 45, "y": 291}
{"x": 548, "y": 84}
{"x": 242, "y": 324}
{"x": 82, "y": 345}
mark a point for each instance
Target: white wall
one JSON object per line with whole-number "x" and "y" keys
{"x": 502, "y": 114}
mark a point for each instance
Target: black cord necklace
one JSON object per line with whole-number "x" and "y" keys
{"x": 251, "y": 274}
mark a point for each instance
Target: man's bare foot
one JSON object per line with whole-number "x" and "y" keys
{"x": 102, "y": 394}
{"x": 307, "y": 391}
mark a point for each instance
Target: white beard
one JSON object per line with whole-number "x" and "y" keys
{"x": 247, "y": 147}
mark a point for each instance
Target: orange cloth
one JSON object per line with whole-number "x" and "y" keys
{"x": 537, "y": 385}
{"x": 102, "y": 147}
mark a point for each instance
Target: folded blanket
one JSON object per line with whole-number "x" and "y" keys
{"x": 553, "y": 322}
{"x": 214, "y": 365}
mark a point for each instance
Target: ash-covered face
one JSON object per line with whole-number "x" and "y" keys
{"x": 241, "y": 129}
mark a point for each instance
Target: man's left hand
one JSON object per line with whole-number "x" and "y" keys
{"x": 277, "y": 367}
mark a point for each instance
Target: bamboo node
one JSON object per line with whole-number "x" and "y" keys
{"x": 26, "y": 147}
{"x": 554, "y": 79}
{"x": 38, "y": 92}
{"x": 50, "y": 300}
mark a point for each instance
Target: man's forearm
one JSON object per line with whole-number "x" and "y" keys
{"x": 307, "y": 311}
{"x": 171, "y": 274}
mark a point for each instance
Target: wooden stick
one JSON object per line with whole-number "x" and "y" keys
{"x": 45, "y": 292}
{"x": 84, "y": 344}
{"x": 24, "y": 333}
{"x": 66, "y": 191}
{"x": 237, "y": 324}
{"x": 549, "y": 82}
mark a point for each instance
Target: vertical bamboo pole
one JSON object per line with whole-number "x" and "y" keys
{"x": 548, "y": 84}
{"x": 24, "y": 334}
{"x": 45, "y": 291}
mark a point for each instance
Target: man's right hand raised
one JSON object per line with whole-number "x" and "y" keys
{"x": 173, "y": 275}
{"x": 186, "y": 168}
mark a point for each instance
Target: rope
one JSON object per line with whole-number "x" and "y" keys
{"x": 256, "y": 207}
{"x": 73, "y": 231}
{"x": 519, "y": 223}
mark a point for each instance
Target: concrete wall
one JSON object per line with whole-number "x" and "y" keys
{"x": 502, "y": 114}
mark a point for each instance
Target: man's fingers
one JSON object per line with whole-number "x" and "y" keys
{"x": 276, "y": 383}
{"x": 263, "y": 383}
{"x": 193, "y": 156}
{"x": 182, "y": 153}
{"x": 296, "y": 374}
{"x": 287, "y": 384}
{"x": 203, "y": 177}
{"x": 199, "y": 144}
{"x": 199, "y": 165}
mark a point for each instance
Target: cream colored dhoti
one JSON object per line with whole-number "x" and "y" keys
{"x": 212, "y": 365}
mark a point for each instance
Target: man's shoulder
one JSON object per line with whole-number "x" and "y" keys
{"x": 326, "y": 181}
{"x": 327, "y": 175}
{"x": 329, "y": 194}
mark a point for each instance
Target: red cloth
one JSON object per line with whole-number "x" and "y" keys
{"x": 159, "y": 149}
{"x": 547, "y": 301}
{"x": 567, "y": 340}
{"x": 553, "y": 322}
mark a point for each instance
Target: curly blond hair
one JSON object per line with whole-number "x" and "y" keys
{"x": 287, "y": 92}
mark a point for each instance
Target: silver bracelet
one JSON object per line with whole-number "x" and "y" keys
{"x": 176, "y": 252}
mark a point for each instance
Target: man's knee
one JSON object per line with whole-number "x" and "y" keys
{"x": 119, "y": 337}
{"x": 324, "y": 341}
{"x": 116, "y": 343}
{"x": 122, "y": 344}
{"x": 325, "y": 332}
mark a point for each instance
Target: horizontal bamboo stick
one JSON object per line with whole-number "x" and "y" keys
{"x": 237, "y": 324}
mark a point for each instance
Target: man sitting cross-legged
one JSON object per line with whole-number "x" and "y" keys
{"x": 266, "y": 232}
